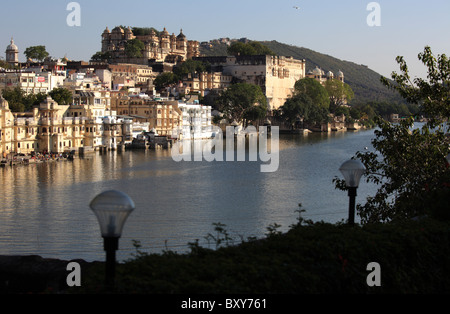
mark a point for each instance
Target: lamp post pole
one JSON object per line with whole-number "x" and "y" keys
{"x": 351, "y": 206}
{"x": 110, "y": 245}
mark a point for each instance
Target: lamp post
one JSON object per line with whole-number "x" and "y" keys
{"x": 352, "y": 171}
{"x": 112, "y": 209}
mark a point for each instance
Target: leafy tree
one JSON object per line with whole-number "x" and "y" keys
{"x": 408, "y": 163}
{"x": 37, "y": 53}
{"x": 249, "y": 49}
{"x": 62, "y": 96}
{"x": 432, "y": 94}
{"x": 237, "y": 102}
{"x": 19, "y": 101}
{"x": 301, "y": 108}
{"x": 5, "y": 65}
{"x": 165, "y": 79}
{"x": 340, "y": 93}
{"x": 314, "y": 90}
{"x": 133, "y": 48}
{"x": 101, "y": 56}
{"x": 143, "y": 31}
{"x": 189, "y": 66}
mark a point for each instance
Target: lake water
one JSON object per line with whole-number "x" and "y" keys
{"x": 44, "y": 208}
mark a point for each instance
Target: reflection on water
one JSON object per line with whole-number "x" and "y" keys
{"x": 45, "y": 207}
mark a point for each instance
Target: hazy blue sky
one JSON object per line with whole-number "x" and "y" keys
{"x": 337, "y": 28}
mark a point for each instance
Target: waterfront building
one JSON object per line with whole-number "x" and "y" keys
{"x": 276, "y": 75}
{"x": 196, "y": 122}
{"x": 163, "y": 116}
{"x": 166, "y": 117}
{"x": 55, "y": 128}
{"x": 158, "y": 46}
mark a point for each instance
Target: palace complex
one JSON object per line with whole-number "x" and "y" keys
{"x": 158, "y": 47}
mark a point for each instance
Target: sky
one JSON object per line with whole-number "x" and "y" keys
{"x": 336, "y": 28}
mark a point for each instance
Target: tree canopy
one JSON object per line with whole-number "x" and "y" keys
{"x": 189, "y": 66}
{"x": 243, "y": 101}
{"x": 62, "y": 96}
{"x": 314, "y": 90}
{"x": 165, "y": 79}
{"x": 19, "y": 101}
{"x": 340, "y": 93}
{"x": 249, "y": 49}
{"x": 133, "y": 48}
{"x": 37, "y": 53}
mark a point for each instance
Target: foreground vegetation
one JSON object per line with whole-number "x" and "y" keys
{"x": 414, "y": 257}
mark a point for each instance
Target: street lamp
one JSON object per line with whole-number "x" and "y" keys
{"x": 112, "y": 209}
{"x": 352, "y": 170}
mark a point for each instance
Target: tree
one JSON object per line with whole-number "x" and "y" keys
{"x": 19, "y": 101}
{"x": 431, "y": 94}
{"x": 133, "y": 48}
{"x": 408, "y": 163}
{"x": 301, "y": 108}
{"x": 189, "y": 67}
{"x": 314, "y": 90}
{"x": 164, "y": 80}
{"x": 62, "y": 96}
{"x": 339, "y": 92}
{"x": 249, "y": 49}
{"x": 237, "y": 102}
{"x": 37, "y": 53}
{"x": 101, "y": 56}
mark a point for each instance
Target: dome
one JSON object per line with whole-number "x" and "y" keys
{"x": 3, "y": 103}
{"x": 340, "y": 74}
{"x": 12, "y": 46}
{"x": 317, "y": 71}
{"x": 330, "y": 74}
{"x": 165, "y": 32}
{"x": 106, "y": 31}
{"x": 181, "y": 35}
{"x": 118, "y": 29}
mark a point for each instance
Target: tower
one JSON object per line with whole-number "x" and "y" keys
{"x": 12, "y": 53}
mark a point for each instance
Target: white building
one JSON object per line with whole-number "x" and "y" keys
{"x": 196, "y": 122}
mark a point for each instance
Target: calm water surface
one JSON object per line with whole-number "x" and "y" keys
{"x": 45, "y": 210}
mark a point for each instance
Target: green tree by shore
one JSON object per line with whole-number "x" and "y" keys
{"x": 408, "y": 163}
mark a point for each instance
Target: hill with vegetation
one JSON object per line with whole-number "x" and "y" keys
{"x": 364, "y": 82}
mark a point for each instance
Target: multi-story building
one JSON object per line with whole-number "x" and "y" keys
{"x": 276, "y": 75}
{"x": 54, "y": 128}
{"x": 171, "y": 118}
{"x": 163, "y": 116}
{"x": 203, "y": 83}
{"x": 196, "y": 122}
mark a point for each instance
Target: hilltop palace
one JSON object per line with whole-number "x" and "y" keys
{"x": 159, "y": 47}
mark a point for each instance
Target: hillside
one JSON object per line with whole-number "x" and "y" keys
{"x": 364, "y": 81}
